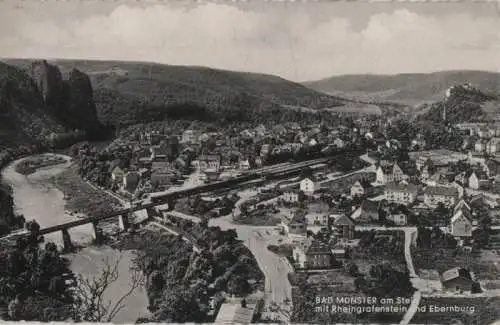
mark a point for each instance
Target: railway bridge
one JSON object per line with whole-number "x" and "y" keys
{"x": 169, "y": 198}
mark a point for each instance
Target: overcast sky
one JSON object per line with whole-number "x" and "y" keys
{"x": 296, "y": 40}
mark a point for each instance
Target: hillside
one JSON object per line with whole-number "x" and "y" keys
{"x": 132, "y": 92}
{"x": 463, "y": 103}
{"x": 404, "y": 88}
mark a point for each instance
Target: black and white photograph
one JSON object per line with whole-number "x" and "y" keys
{"x": 237, "y": 162}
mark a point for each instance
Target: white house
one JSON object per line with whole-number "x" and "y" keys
{"x": 402, "y": 193}
{"x": 399, "y": 219}
{"x": 339, "y": 143}
{"x": 189, "y": 136}
{"x": 460, "y": 225}
{"x": 309, "y": 186}
{"x": 477, "y": 181}
{"x": 291, "y": 196}
{"x": 117, "y": 174}
{"x": 317, "y": 219}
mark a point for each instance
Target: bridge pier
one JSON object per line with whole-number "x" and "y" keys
{"x": 151, "y": 213}
{"x": 98, "y": 234}
{"x": 67, "y": 244}
{"x": 171, "y": 204}
{"x": 124, "y": 222}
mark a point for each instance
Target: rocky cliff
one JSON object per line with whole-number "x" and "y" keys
{"x": 38, "y": 102}
{"x": 70, "y": 100}
{"x": 80, "y": 107}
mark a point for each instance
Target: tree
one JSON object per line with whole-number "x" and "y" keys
{"x": 90, "y": 293}
{"x": 352, "y": 269}
{"x": 178, "y": 305}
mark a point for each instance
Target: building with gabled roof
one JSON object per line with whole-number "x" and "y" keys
{"x": 460, "y": 225}
{"x": 239, "y": 310}
{"x": 389, "y": 173}
{"x": 344, "y": 225}
{"x": 367, "y": 212}
{"x": 313, "y": 254}
{"x": 296, "y": 225}
{"x": 457, "y": 279}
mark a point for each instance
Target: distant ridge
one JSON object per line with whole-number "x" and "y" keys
{"x": 411, "y": 88}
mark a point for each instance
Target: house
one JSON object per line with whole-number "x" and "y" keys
{"x": 457, "y": 279}
{"x": 418, "y": 142}
{"x": 367, "y": 212}
{"x": 296, "y": 225}
{"x": 130, "y": 181}
{"x": 244, "y": 164}
{"x": 492, "y": 167}
{"x": 339, "y": 143}
{"x": 117, "y": 174}
{"x": 160, "y": 165}
{"x": 425, "y": 174}
{"x": 317, "y": 219}
{"x": 387, "y": 173}
{"x": 189, "y": 136}
{"x": 478, "y": 180}
{"x": 402, "y": 193}
{"x": 207, "y": 163}
{"x": 460, "y": 225}
{"x": 239, "y": 311}
{"x": 313, "y": 255}
{"x": 448, "y": 195}
{"x": 493, "y": 146}
{"x": 309, "y": 186}
{"x": 162, "y": 177}
{"x": 464, "y": 207}
{"x": 480, "y": 145}
{"x": 344, "y": 225}
{"x": 291, "y": 196}
{"x": 399, "y": 219}
{"x": 265, "y": 150}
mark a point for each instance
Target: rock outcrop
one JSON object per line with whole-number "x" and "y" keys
{"x": 69, "y": 100}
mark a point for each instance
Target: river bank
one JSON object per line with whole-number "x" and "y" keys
{"x": 36, "y": 197}
{"x": 32, "y": 164}
{"x": 80, "y": 197}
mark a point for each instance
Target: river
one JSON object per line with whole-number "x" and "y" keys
{"x": 37, "y": 198}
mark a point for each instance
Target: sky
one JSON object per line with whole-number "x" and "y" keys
{"x": 298, "y": 40}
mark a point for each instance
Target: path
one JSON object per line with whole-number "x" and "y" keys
{"x": 416, "y": 281}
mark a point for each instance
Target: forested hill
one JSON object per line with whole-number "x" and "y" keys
{"x": 132, "y": 92}
{"x": 464, "y": 103}
{"x": 409, "y": 87}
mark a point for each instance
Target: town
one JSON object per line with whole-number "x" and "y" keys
{"x": 238, "y": 162}
{"x": 427, "y": 218}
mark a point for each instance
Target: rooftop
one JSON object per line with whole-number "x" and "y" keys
{"x": 400, "y": 187}
{"x": 441, "y": 190}
{"x": 455, "y": 273}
